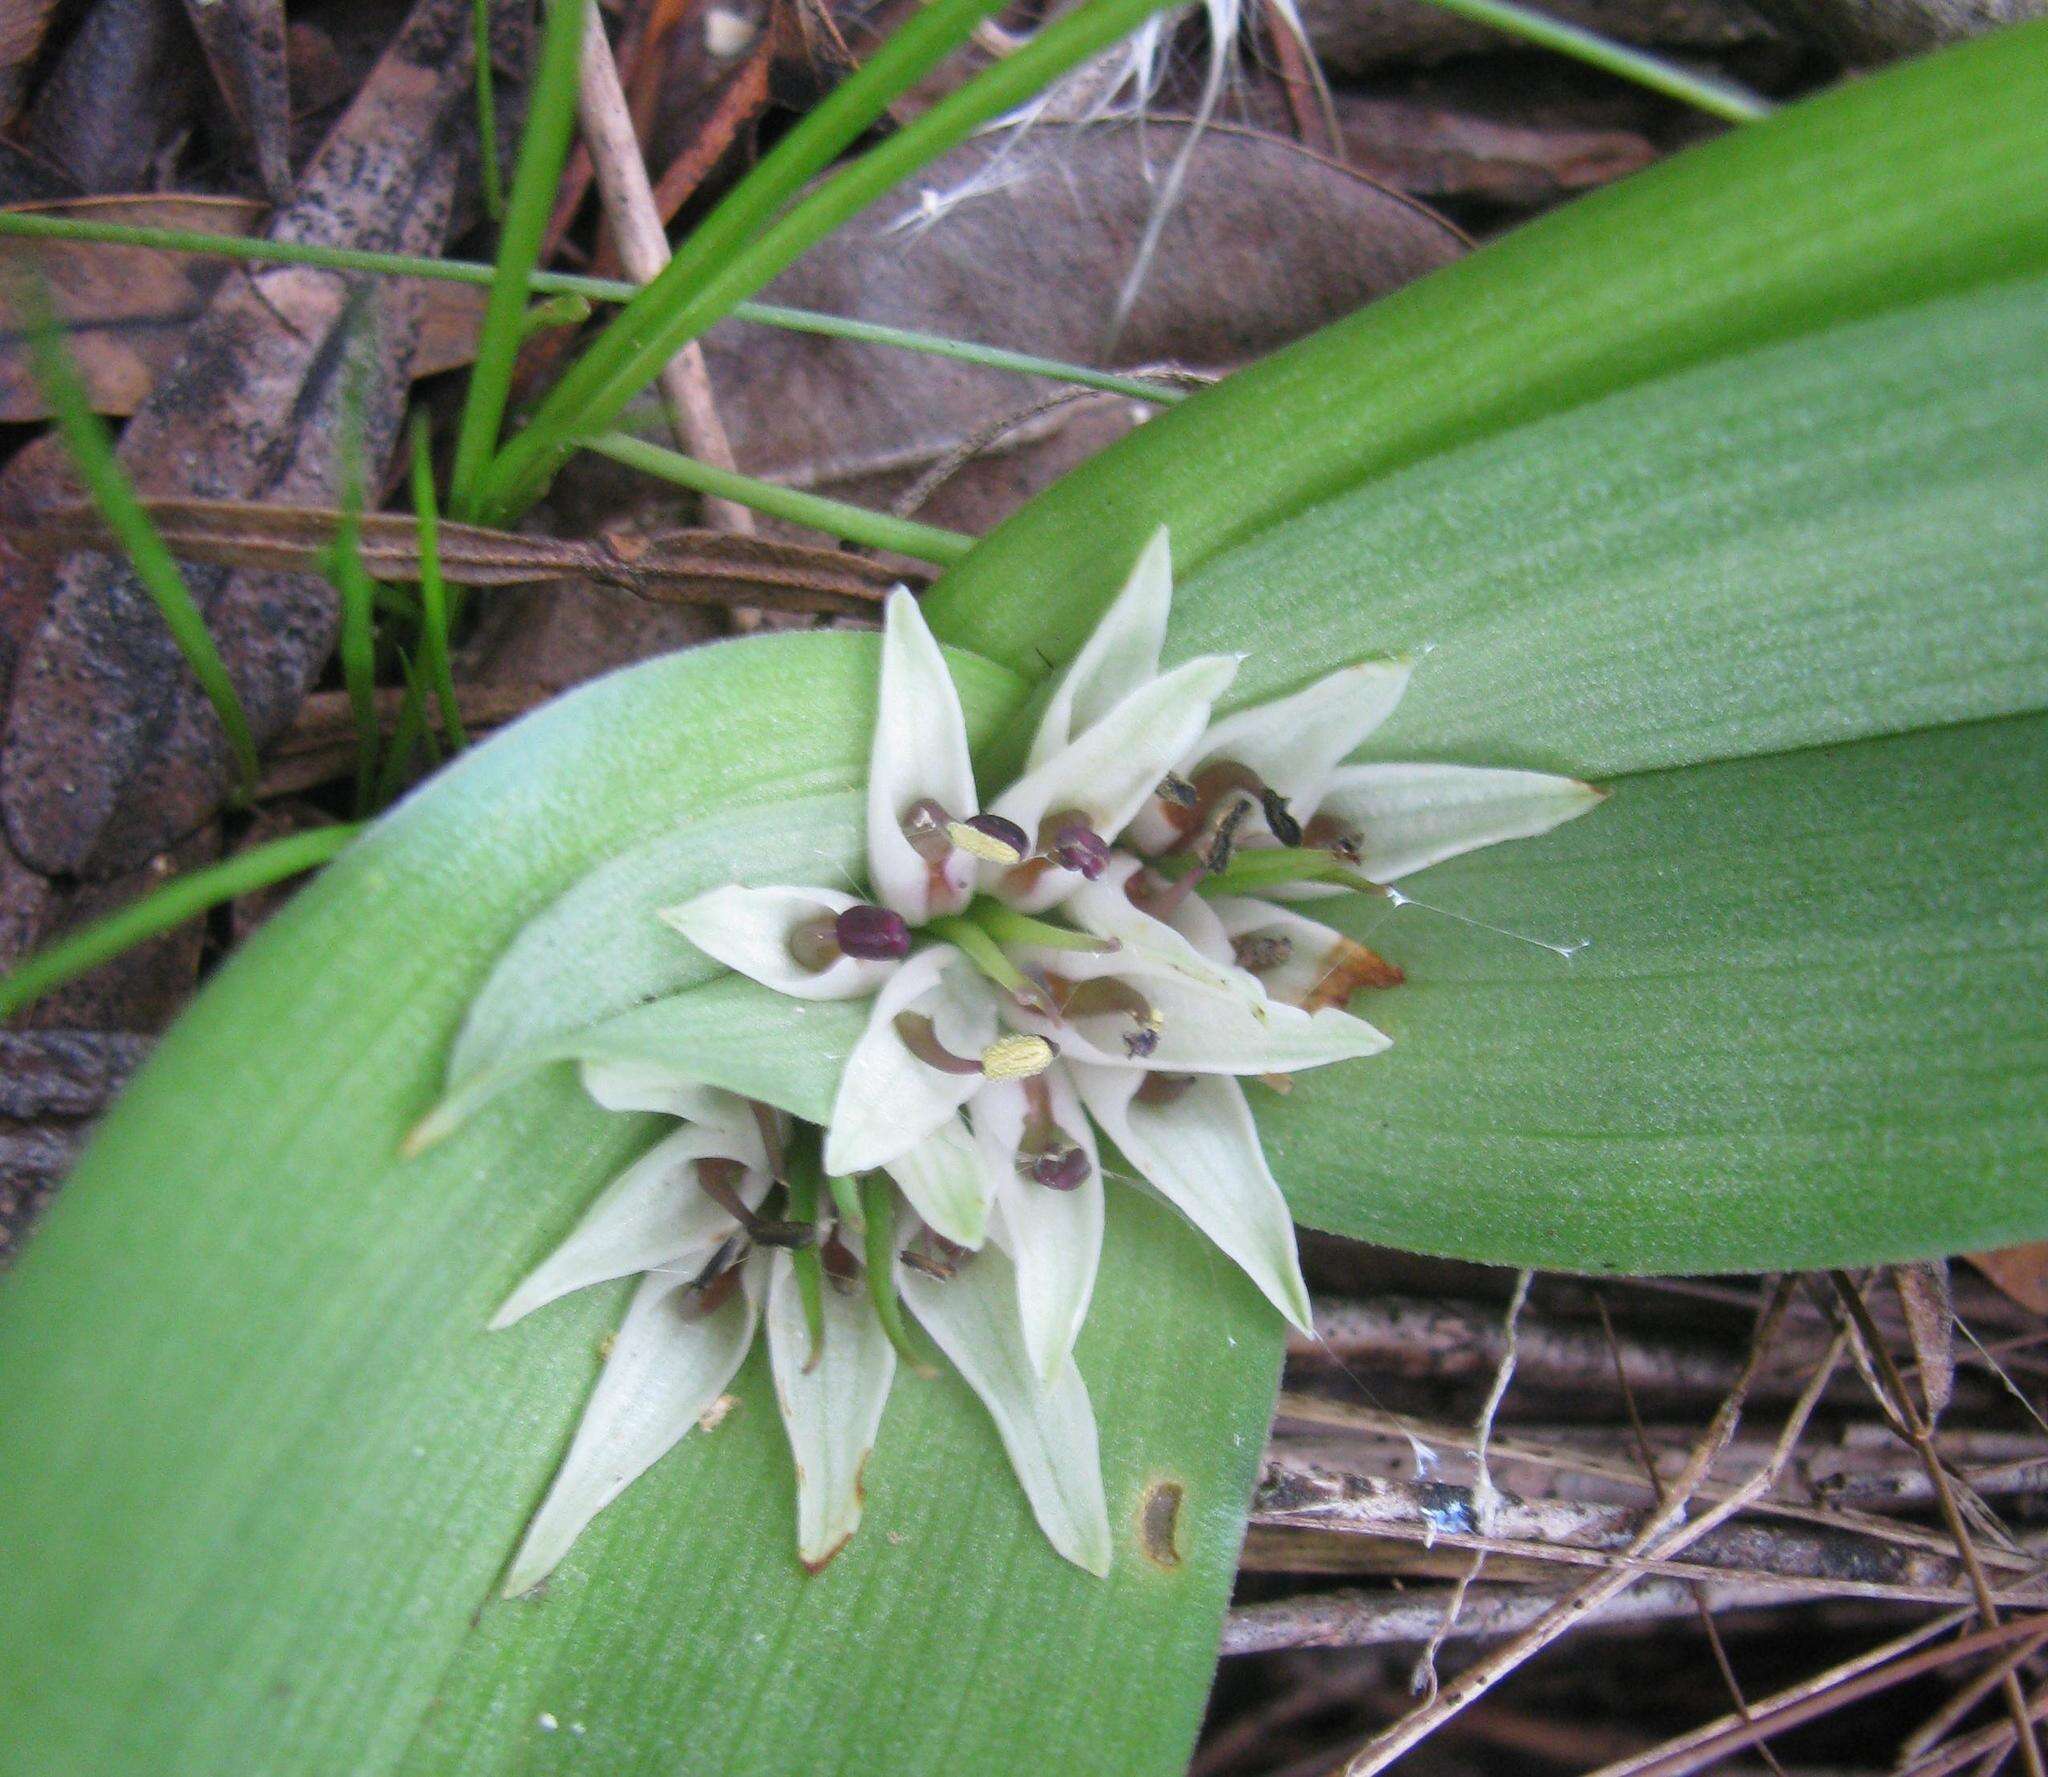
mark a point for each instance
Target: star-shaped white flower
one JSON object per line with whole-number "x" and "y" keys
{"x": 1081, "y": 953}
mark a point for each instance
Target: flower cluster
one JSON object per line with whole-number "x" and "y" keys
{"x": 1103, "y": 948}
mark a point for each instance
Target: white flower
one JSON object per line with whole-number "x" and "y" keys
{"x": 1079, "y": 953}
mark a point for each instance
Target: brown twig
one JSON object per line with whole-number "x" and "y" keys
{"x": 636, "y": 226}
{"x": 1916, "y": 1427}
{"x": 1665, "y": 1534}
{"x": 674, "y": 567}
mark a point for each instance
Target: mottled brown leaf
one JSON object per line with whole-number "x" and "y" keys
{"x": 111, "y": 751}
{"x": 244, "y": 41}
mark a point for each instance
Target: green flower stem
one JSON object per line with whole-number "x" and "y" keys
{"x": 169, "y": 907}
{"x": 856, "y": 524}
{"x": 805, "y": 1264}
{"x": 1007, "y": 926}
{"x": 983, "y": 952}
{"x": 1717, "y": 97}
{"x": 1251, "y": 871}
{"x": 23, "y": 225}
{"x": 846, "y": 1200}
{"x": 879, "y": 1212}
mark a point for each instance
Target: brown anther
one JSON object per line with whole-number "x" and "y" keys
{"x": 1162, "y": 1089}
{"x": 924, "y": 826}
{"x": 1257, "y": 952}
{"x": 935, "y": 1255}
{"x": 1279, "y": 819}
{"x": 838, "y": 1262}
{"x": 915, "y": 1031}
{"x": 991, "y": 838}
{"x": 1324, "y": 833}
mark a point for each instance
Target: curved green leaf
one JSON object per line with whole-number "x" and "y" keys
{"x": 1739, "y": 458}
{"x": 263, "y": 1455}
{"x": 1870, "y": 197}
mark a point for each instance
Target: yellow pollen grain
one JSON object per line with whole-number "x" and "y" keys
{"x": 1016, "y": 1057}
{"x": 986, "y": 846}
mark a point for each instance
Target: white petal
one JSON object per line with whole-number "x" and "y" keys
{"x": 831, "y": 1404}
{"x": 748, "y": 929}
{"x": 666, "y": 1367}
{"x": 654, "y": 1215}
{"x": 1119, "y": 656}
{"x": 1203, "y": 1029}
{"x": 920, "y": 751}
{"x": 888, "y": 1100}
{"x": 1318, "y": 966}
{"x": 947, "y": 1180}
{"x": 1202, "y": 1154}
{"x": 1054, "y": 1238}
{"x": 1048, "y": 1428}
{"x": 1109, "y": 771}
{"x": 1105, "y": 909}
{"x": 1293, "y": 743}
{"x": 1412, "y": 816}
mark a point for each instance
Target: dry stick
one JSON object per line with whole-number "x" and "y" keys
{"x": 1920, "y": 1434}
{"x": 1926, "y": 1738}
{"x": 1698, "y": 1590}
{"x": 1820, "y": 1684}
{"x": 1814, "y": 1698}
{"x": 1664, "y": 1533}
{"x": 643, "y": 250}
{"x": 1991, "y": 1744}
{"x": 1485, "y": 1496}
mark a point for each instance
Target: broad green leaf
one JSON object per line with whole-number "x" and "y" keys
{"x": 1734, "y": 464}
{"x": 1806, "y": 1027}
{"x": 261, "y": 1452}
{"x": 1870, "y": 197}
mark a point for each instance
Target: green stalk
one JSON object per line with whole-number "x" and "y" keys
{"x": 163, "y": 910}
{"x": 543, "y": 147}
{"x": 92, "y": 453}
{"x": 1007, "y": 926}
{"x": 985, "y": 954}
{"x": 1250, "y": 871}
{"x": 357, "y": 644}
{"x": 846, "y": 1200}
{"x": 878, "y": 1210}
{"x": 435, "y": 615}
{"x": 724, "y": 261}
{"x": 25, "y": 226}
{"x": 486, "y": 112}
{"x": 805, "y": 1264}
{"x": 1718, "y": 97}
{"x": 856, "y": 524}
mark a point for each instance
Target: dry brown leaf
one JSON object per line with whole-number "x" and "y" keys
{"x": 111, "y": 751}
{"x": 1351, "y": 36}
{"x": 1268, "y": 242}
{"x": 244, "y": 41}
{"x": 1931, "y": 1328}
{"x": 122, "y": 87}
{"x": 2020, "y": 1271}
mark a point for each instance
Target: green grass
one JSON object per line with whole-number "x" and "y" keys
{"x": 543, "y": 147}
{"x": 164, "y": 910}
{"x": 856, "y": 524}
{"x": 435, "y": 612}
{"x": 22, "y": 225}
{"x": 486, "y": 112}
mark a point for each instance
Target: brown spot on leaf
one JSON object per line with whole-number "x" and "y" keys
{"x": 1349, "y": 967}
{"x": 1159, "y": 1523}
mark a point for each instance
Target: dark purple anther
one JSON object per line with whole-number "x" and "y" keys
{"x": 1063, "y": 1169}
{"x": 873, "y": 934}
{"x": 1077, "y": 846}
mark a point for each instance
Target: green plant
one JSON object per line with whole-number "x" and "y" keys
{"x": 1721, "y": 488}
